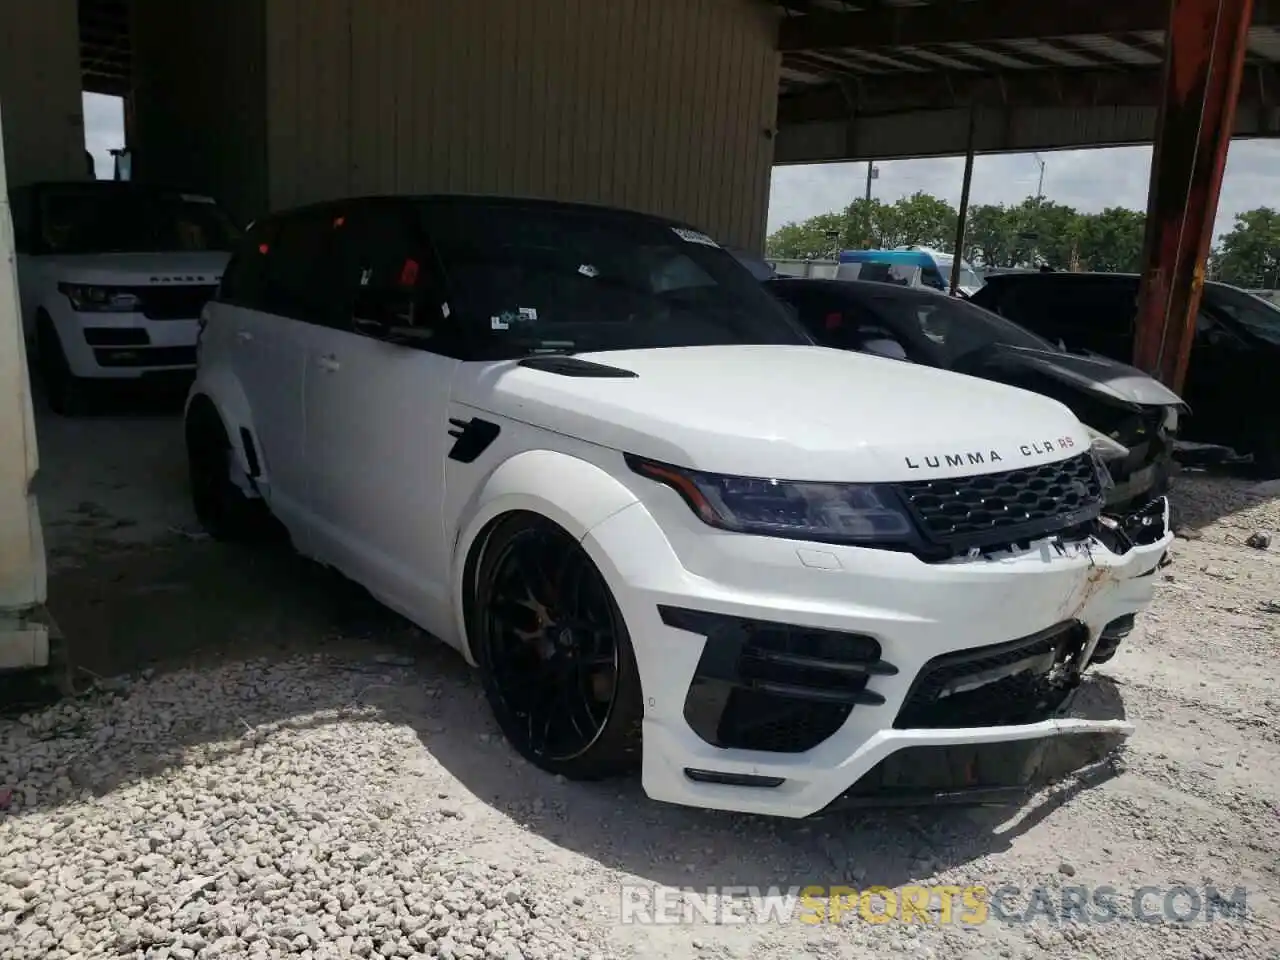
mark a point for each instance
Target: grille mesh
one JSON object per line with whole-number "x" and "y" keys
{"x": 999, "y": 506}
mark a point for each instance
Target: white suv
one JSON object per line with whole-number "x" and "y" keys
{"x": 112, "y": 278}
{"x": 585, "y": 448}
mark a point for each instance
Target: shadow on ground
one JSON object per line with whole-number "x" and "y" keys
{"x": 170, "y": 601}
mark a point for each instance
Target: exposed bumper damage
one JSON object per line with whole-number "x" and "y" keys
{"x": 876, "y": 678}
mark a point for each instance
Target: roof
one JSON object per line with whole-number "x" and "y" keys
{"x": 1057, "y": 72}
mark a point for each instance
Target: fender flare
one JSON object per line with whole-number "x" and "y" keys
{"x": 573, "y": 493}
{"x": 224, "y": 394}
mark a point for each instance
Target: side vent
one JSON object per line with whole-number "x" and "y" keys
{"x": 471, "y": 438}
{"x": 575, "y": 367}
{"x": 250, "y": 454}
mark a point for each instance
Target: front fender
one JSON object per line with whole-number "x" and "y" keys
{"x": 573, "y": 493}
{"x": 222, "y": 388}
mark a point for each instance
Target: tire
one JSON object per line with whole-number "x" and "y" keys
{"x": 1266, "y": 454}
{"x": 64, "y": 391}
{"x": 582, "y": 639}
{"x": 221, "y": 507}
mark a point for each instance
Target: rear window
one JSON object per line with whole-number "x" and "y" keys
{"x": 95, "y": 220}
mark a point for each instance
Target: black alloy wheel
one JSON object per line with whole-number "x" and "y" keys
{"x": 221, "y": 507}
{"x": 554, "y": 653}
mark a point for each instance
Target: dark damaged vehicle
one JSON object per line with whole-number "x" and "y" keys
{"x": 1230, "y": 388}
{"x": 1131, "y": 417}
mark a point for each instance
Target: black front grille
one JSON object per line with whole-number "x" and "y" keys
{"x": 771, "y": 686}
{"x": 1022, "y": 681}
{"x": 177, "y": 302}
{"x": 1002, "y": 508}
{"x": 145, "y": 356}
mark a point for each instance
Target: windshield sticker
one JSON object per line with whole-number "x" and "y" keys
{"x": 693, "y": 236}
{"x": 365, "y": 275}
{"x": 587, "y": 270}
{"x": 528, "y": 314}
{"x": 500, "y": 322}
{"x": 444, "y": 310}
{"x": 195, "y": 198}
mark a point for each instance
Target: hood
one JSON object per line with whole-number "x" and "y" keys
{"x": 787, "y": 412}
{"x": 1094, "y": 374}
{"x": 140, "y": 269}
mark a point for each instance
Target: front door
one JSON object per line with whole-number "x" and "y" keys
{"x": 377, "y": 428}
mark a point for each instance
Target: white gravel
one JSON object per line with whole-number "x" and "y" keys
{"x": 330, "y": 806}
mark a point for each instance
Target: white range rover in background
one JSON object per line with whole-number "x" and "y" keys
{"x": 112, "y": 277}
{"x": 588, "y": 450}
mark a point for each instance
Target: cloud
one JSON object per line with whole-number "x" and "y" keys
{"x": 103, "y": 129}
{"x": 1088, "y": 180}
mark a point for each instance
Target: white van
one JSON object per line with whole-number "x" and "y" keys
{"x": 914, "y": 267}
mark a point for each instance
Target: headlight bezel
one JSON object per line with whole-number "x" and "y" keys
{"x": 100, "y": 298}
{"x": 710, "y": 496}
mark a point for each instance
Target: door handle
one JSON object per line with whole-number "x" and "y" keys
{"x": 329, "y": 363}
{"x": 244, "y": 336}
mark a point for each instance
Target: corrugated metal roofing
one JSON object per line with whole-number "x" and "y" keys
{"x": 1090, "y": 49}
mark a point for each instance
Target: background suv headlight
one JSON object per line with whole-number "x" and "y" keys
{"x": 853, "y": 513}
{"x": 86, "y": 298}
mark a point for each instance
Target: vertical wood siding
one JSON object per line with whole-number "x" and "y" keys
{"x": 40, "y": 90}
{"x": 658, "y": 105}
{"x": 199, "y": 99}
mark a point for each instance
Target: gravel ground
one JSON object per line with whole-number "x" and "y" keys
{"x": 299, "y": 774}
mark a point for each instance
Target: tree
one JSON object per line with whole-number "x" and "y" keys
{"x": 1250, "y": 253}
{"x": 1111, "y": 241}
{"x": 921, "y": 220}
{"x": 818, "y": 238}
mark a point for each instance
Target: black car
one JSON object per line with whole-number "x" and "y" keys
{"x": 1231, "y": 387}
{"x": 1131, "y": 416}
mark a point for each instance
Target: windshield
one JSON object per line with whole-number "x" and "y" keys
{"x": 1259, "y": 317}
{"x": 944, "y": 328}
{"x": 132, "y": 221}
{"x": 566, "y": 279}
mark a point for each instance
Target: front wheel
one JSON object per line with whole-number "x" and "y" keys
{"x": 555, "y": 657}
{"x": 64, "y": 391}
{"x": 221, "y": 507}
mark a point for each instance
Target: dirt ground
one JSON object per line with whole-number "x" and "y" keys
{"x": 1193, "y": 801}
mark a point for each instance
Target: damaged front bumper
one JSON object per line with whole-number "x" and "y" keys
{"x": 782, "y": 678}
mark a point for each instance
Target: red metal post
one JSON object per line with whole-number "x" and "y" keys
{"x": 1204, "y": 61}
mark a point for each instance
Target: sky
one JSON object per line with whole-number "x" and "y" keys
{"x": 1088, "y": 180}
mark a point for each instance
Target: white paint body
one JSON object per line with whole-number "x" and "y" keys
{"x": 352, "y": 435}
{"x": 39, "y": 277}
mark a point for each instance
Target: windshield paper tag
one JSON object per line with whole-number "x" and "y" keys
{"x": 693, "y": 236}
{"x": 499, "y": 323}
{"x": 528, "y": 314}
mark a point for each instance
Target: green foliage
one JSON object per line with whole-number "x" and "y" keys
{"x": 1250, "y": 253}
{"x": 1033, "y": 232}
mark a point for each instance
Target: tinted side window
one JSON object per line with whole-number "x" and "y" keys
{"x": 381, "y": 254}
{"x": 299, "y": 281}
{"x": 244, "y": 280}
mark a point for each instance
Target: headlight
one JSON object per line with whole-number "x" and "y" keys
{"x": 825, "y": 512}
{"x": 1105, "y": 447}
{"x": 90, "y": 299}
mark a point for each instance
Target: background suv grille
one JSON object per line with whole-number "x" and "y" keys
{"x": 995, "y": 508}
{"x": 174, "y": 302}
